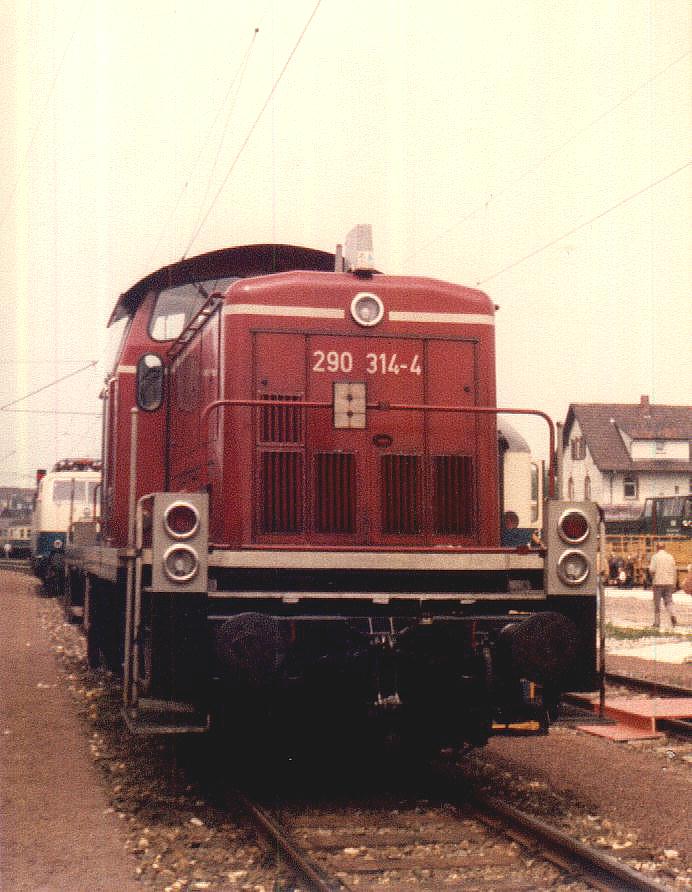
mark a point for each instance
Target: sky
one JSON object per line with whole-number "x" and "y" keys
{"x": 537, "y": 150}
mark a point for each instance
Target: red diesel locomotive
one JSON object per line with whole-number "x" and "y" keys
{"x": 300, "y": 507}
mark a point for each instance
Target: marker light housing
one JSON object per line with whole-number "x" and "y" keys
{"x": 367, "y": 309}
{"x": 179, "y": 542}
{"x": 573, "y": 526}
{"x": 181, "y": 520}
{"x": 573, "y": 567}
{"x": 570, "y": 532}
{"x": 180, "y": 563}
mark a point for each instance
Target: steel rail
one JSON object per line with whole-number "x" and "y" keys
{"x": 300, "y": 863}
{"x": 645, "y": 684}
{"x": 603, "y": 871}
{"x": 677, "y": 727}
{"x": 17, "y": 565}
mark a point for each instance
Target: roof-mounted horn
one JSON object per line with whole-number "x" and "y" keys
{"x": 358, "y": 254}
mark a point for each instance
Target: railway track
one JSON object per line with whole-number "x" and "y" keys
{"x": 15, "y": 565}
{"x": 678, "y": 727}
{"x": 471, "y": 842}
{"x": 655, "y": 688}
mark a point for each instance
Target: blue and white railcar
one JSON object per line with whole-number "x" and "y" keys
{"x": 64, "y": 496}
{"x": 521, "y": 479}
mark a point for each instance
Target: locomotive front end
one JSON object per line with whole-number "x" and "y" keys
{"x": 352, "y": 475}
{"x": 307, "y": 519}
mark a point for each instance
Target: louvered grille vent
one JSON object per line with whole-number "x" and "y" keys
{"x": 453, "y": 508}
{"x": 282, "y": 489}
{"x": 335, "y": 492}
{"x": 280, "y": 424}
{"x": 401, "y": 494}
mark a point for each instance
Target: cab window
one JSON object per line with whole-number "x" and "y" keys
{"x": 68, "y": 490}
{"x": 175, "y": 307}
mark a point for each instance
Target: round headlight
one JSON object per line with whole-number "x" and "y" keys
{"x": 180, "y": 563}
{"x": 573, "y": 567}
{"x": 367, "y": 308}
{"x": 573, "y": 526}
{"x": 181, "y": 520}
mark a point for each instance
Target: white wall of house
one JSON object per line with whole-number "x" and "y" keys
{"x": 578, "y": 470}
{"x": 663, "y": 450}
{"x": 648, "y": 484}
{"x": 666, "y": 484}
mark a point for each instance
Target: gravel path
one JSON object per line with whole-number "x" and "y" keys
{"x": 56, "y": 833}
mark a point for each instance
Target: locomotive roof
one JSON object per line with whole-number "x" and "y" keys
{"x": 243, "y": 261}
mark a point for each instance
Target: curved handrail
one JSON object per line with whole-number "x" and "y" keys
{"x": 406, "y": 407}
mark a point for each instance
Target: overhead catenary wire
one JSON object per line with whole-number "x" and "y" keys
{"x": 599, "y": 216}
{"x": 551, "y": 154}
{"x": 42, "y": 116}
{"x": 26, "y": 396}
{"x": 237, "y": 77}
{"x": 252, "y": 128}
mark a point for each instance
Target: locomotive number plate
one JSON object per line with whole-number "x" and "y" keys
{"x": 375, "y": 363}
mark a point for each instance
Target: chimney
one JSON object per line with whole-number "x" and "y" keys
{"x": 644, "y": 405}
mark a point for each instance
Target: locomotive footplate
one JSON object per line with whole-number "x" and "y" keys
{"x": 153, "y": 716}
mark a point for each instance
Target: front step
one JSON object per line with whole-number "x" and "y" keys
{"x": 165, "y": 717}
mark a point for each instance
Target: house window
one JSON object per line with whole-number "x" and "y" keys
{"x": 570, "y": 489}
{"x": 660, "y": 447}
{"x": 587, "y": 487}
{"x": 630, "y": 486}
{"x": 577, "y": 448}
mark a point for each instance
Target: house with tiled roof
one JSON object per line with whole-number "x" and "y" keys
{"x": 620, "y": 454}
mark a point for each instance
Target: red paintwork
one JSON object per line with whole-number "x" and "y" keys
{"x": 239, "y": 355}
{"x": 120, "y": 398}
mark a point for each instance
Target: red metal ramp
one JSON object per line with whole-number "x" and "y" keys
{"x": 636, "y": 717}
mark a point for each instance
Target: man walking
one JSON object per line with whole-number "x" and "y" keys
{"x": 664, "y": 578}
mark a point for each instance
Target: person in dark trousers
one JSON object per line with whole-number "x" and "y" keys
{"x": 664, "y": 577}
{"x": 612, "y": 569}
